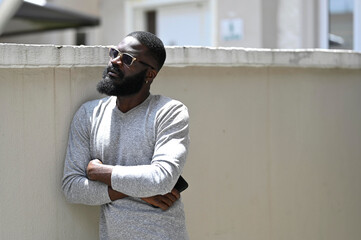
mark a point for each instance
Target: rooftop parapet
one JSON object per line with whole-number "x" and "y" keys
{"x": 23, "y": 55}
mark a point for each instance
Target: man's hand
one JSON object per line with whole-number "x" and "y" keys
{"x": 92, "y": 167}
{"x": 97, "y": 171}
{"x": 163, "y": 201}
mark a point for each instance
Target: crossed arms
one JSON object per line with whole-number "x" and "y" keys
{"x": 97, "y": 171}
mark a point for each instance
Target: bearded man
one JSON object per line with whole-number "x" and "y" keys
{"x": 127, "y": 151}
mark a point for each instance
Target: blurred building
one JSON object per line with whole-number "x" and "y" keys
{"x": 227, "y": 23}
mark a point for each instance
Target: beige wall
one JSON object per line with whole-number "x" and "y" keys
{"x": 275, "y": 150}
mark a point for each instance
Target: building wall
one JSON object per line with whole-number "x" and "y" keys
{"x": 112, "y": 20}
{"x": 275, "y": 141}
{"x": 269, "y": 23}
{"x": 264, "y": 23}
{"x": 249, "y": 12}
{"x": 84, "y": 6}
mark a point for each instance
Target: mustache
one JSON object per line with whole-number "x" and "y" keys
{"x": 114, "y": 69}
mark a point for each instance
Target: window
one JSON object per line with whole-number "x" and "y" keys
{"x": 340, "y": 24}
{"x": 185, "y": 24}
{"x": 151, "y": 18}
{"x": 80, "y": 38}
{"x": 176, "y": 22}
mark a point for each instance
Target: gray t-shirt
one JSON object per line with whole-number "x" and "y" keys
{"x": 148, "y": 145}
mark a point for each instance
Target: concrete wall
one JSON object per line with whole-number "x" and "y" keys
{"x": 275, "y": 135}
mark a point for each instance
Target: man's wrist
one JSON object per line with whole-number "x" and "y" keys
{"x": 97, "y": 171}
{"x": 104, "y": 174}
{"x": 114, "y": 195}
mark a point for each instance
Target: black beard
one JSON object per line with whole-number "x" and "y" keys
{"x": 120, "y": 86}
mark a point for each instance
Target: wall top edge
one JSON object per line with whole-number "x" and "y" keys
{"x": 25, "y": 55}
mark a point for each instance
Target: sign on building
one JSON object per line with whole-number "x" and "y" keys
{"x": 232, "y": 29}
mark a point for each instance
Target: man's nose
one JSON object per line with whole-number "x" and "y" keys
{"x": 116, "y": 61}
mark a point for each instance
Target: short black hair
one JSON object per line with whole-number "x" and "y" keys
{"x": 153, "y": 43}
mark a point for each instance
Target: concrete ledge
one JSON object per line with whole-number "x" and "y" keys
{"x": 21, "y": 55}
{"x": 308, "y": 58}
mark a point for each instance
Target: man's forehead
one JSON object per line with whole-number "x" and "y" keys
{"x": 131, "y": 45}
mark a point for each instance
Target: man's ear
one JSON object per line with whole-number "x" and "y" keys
{"x": 151, "y": 74}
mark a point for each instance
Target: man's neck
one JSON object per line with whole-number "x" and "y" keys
{"x": 126, "y": 103}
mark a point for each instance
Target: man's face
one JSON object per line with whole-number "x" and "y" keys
{"x": 120, "y": 79}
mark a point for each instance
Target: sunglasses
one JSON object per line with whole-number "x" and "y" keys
{"x": 126, "y": 58}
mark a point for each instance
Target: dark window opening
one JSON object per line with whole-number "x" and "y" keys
{"x": 80, "y": 38}
{"x": 151, "y": 17}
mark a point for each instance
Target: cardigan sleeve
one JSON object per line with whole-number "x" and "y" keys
{"x": 76, "y": 186}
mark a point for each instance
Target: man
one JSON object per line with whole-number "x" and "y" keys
{"x": 127, "y": 151}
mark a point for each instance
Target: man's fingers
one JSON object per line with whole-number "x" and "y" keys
{"x": 163, "y": 206}
{"x": 165, "y": 199}
{"x": 176, "y": 193}
{"x": 171, "y": 197}
{"x": 163, "y": 203}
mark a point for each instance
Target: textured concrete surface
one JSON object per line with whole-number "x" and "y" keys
{"x": 51, "y": 55}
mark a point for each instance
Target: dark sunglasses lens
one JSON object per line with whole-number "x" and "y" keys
{"x": 127, "y": 59}
{"x": 113, "y": 53}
